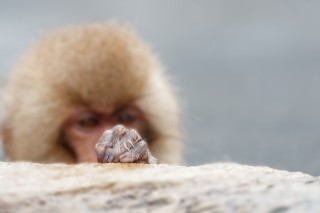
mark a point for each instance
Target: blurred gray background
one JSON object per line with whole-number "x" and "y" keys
{"x": 247, "y": 72}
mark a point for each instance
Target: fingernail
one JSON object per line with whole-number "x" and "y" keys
{"x": 111, "y": 159}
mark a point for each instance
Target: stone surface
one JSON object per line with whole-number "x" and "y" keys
{"x": 221, "y": 187}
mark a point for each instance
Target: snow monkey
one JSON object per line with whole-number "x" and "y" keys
{"x": 92, "y": 93}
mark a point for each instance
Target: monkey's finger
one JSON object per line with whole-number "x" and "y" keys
{"x": 127, "y": 143}
{"x": 102, "y": 145}
{"x": 112, "y": 136}
{"x": 100, "y": 151}
{"x": 110, "y": 156}
{"x": 105, "y": 137}
{"x": 147, "y": 158}
{"x": 143, "y": 159}
{"x": 133, "y": 137}
{"x": 138, "y": 152}
{"x": 118, "y": 132}
{"x": 105, "y": 154}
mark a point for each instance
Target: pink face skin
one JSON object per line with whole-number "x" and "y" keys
{"x": 83, "y": 128}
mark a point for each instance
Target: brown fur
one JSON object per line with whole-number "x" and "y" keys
{"x": 92, "y": 65}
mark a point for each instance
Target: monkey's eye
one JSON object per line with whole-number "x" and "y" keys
{"x": 126, "y": 117}
{"x": 89, "y": 121}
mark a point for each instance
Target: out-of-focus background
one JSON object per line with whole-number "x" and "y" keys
{"x": 248, "y": 72}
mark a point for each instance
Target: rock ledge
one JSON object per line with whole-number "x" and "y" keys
{"x": 220, "y": 187}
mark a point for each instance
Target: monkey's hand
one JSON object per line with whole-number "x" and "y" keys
{"x": 123, "y": 145}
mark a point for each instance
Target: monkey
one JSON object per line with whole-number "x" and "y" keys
{"x": 91, "y": 93}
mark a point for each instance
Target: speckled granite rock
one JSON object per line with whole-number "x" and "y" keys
{"x": 221, "y": 187}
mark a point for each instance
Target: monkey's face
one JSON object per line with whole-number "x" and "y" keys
{"x": 83, "y": 128}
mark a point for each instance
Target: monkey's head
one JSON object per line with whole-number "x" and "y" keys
{"x": 79, "y": 81}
